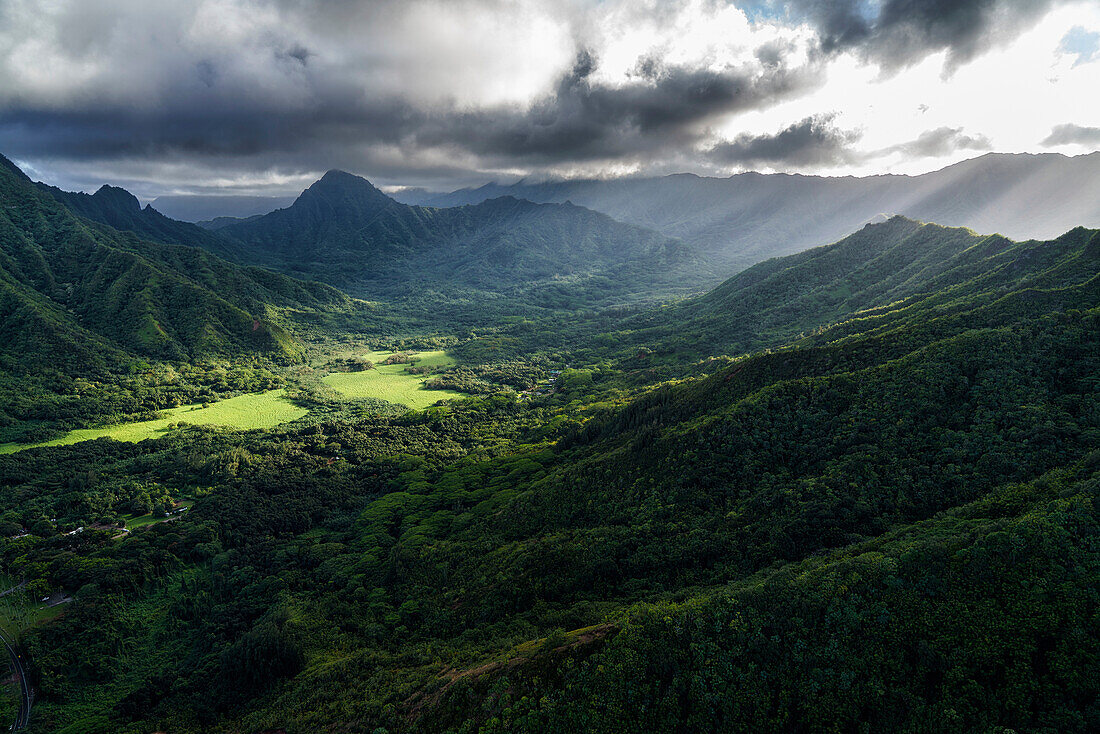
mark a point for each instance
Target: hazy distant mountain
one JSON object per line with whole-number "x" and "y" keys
{"x": 200, "y": 208}
{"x": 345, "y": 231}
{"x": 751, "y": 217}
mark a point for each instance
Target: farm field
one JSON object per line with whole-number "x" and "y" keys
{"x": 391, "y": 382}
{"x": 254, "y": 410}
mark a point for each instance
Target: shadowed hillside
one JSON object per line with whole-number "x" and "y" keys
{"x": 345, "y": 231}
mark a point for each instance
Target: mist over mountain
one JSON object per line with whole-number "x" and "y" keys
{"x": 750, "y": 217}
{"x": 203, "y": 208}
{"x": 345, "y": 231}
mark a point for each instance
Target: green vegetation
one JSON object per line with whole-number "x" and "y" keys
{"x": 393, "y": 382}
{"x": 471, "y": 265}
{"x": 140, "y": 521}
{"x": 97, "y": 323}
{"x": 244, "y": 412}
{"x": 851, "y": 490}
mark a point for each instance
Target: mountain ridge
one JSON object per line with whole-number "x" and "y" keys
{"x": 882, "y": 276}
{"x": 80, "y": 299}
{"x": 345, "y": 231}
{"x": 751, "y": 216}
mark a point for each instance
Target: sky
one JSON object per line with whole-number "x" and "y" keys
{"x": 263, "y": 96}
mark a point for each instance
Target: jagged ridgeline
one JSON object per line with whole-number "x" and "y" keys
{"x": 81, "y": 299}
{"x": 748, "y": 217}
{"x": 344, "y": 231}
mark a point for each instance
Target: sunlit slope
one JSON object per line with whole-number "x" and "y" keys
{"x": 750, "y": 217}
{"x": 244, "y": 412}
{"x": 156, "y": 300}
{"x": 391, "y": 382}
{"x": 887, "y": 273}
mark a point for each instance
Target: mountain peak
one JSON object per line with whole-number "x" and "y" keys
{"x": 117, "y": 197}
{"x": 334, "y": 174}
{"x": 12, "y": 169}
{"x": 344, "y": 179}
{"x": 341, "y": 185}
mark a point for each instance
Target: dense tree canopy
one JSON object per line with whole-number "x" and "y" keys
{"x": 854, "y": 489}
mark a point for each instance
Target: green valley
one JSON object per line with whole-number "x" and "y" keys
{"x": 849, "y": 489}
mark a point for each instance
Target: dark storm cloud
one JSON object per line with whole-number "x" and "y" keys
{"x": 199, "y": 129}
{"x": 661, "y": 107}
{"x": 1070, "y": 134}
{"x": 901, "y": 32}
{"x": 236, "y": 88}
{"x": 814, "y": 141}
{"x": 940, "y": 142}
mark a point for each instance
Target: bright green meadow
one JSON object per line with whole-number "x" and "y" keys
{"x": 391, "y": 382}
{"x": 254, "y": 410}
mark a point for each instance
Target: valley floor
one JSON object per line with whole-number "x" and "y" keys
{"x": 244, "y": 412}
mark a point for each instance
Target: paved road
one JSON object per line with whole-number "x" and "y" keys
{"x": 17, "y": 587}
{"x": 24, "y": 716}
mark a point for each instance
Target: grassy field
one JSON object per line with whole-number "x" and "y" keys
{"x": 137, "y": 521}
{"x": 255, "y": 410}
{"x": 391, "y": 382}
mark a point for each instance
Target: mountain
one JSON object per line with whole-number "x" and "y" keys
{"x": 158, "y": 300}
{"x": 119, "y": 209}
{"x": 81, "y": 299}
{"x": 887, "y": 273}
{"x": 203, "y": 208}
{"x": 888, "y": 524}
{"x": 749, "y": 217}
{"x": 344, "y": 231}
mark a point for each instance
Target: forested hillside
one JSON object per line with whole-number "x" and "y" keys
{"x": 83, "y": 303}
{"x": 750, "y": 386}
{"x": 119, "y": 209}
{"x": 898, "y": 272}
{"x": 888, "y": 522}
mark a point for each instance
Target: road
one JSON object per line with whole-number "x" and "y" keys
{"x": 24, "y": 716}
{"x": 17, "y": 587}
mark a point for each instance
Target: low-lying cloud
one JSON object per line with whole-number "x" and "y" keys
{"x": 812, "y": 142}
{"x": 1071, "y": 134}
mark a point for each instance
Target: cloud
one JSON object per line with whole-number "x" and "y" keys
{"x": 197, "y": 94}
{"x": 314, "y": 84}
{"x": 938, "y": 143}
{"x": 812, "y": 142}
{"x": 1071, "y": 134}
{"x": 898, "y": 33}
{"x": 664, "y": 107}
